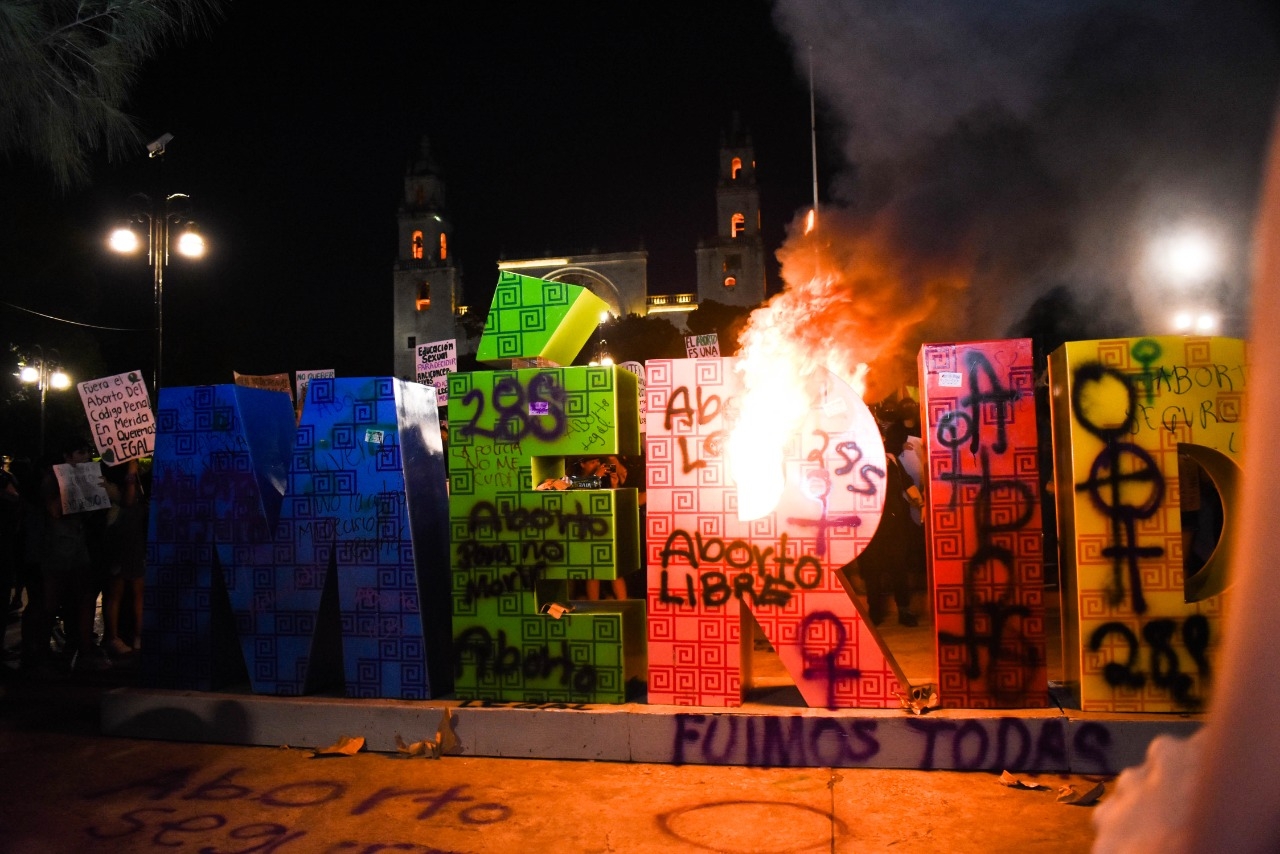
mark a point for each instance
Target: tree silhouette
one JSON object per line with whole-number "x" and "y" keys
{"x": 727, "y": 321}
{"x": 633, "y": 338}
{"x": 66, "y": 70}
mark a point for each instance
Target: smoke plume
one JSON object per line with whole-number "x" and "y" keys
{"x": 996, "y": 152}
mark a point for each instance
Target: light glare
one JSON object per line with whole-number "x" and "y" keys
{"x": 191, "y": 244}
{"x": 1207, "y": 323}
{"x": 1186, "y": 257}
{"x": 124, "y": 240}
{"x": 59, "y": 380}
{"x": 29, "y": 374}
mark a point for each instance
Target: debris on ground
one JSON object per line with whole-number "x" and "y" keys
{"x": 432, "y": 748}
{"x": 348, "y": 745}
{"x": 1010, "y": 780}
{"x": 1069, "y": 796}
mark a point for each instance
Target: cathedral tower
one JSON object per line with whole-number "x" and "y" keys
{"x": 426, "y": 279}
{"x": 731, "y": 264}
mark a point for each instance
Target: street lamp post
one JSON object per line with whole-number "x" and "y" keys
{"x": 45, "y": 374}
{"x": 163, "y": 217}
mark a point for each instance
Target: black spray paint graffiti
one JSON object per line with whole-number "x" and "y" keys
{"x": 1180, "y": 379}
{"x": 495, "y": 657}
{"x": 487, "y": 517}
{"x": 522, "y": 579}
{"x": 1000, "y": 643}
{"x": 518, "y": 566}
{"x": 766, "y": 569}
{"x": 993, "y": 744}
{"x": 957, "y": 429}
{"x": 1176, "y": 381}
{"x": 1166, "y": 671}
{"x": 185, "y": 812}
{"x": 701, "y": 411}
{"x": 1118, "y": 464}
{"x": 516, "y": 704}
{"x": 964, "y": 424}
{"x": 515, "y": 405}
{"x": 1122, "y": 464}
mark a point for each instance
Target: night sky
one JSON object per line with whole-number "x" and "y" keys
{"x": 1043, "y": 140}
{"x": 558, "y": 128}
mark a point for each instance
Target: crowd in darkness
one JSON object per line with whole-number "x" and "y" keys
{"x": 57, "y": 566}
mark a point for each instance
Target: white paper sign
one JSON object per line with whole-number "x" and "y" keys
{"x": 637, "y": 369}
{"x": 436, "y": 361}
{"x": 304, "y": 378}
{"x": 119, "y": 411}
{"x": 81, "y": 487}
{"x": 702, "y": 346}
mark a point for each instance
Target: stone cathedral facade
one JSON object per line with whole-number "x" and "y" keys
{"x": 428, "y": 297}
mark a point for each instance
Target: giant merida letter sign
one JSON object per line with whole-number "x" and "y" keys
{"x": 1130, "y": 417}
{"x": 706, "y": 564}
{"x": 986, "y": 551}
{"x": 516, "y": 636}
{"x": 299, "y": 558}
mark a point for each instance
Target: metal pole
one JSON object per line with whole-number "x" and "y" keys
{"x": 43, "y": 380}
{"x": 813, "y": 137}
{"x": 159, "y": 255}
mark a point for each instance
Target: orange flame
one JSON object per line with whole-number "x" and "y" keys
{"x": 850, "y": 305}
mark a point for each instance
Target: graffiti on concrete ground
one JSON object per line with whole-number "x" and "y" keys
{"x": 189, "y": 804}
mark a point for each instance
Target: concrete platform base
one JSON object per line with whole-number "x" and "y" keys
{"x": 1047, "y": 740}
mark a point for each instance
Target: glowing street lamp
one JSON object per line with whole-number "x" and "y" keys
{"x": 45, "y": 373}
{"x": 1198, "y": 322}
{"x": 1188, "y": 259}
{"x": 167, "y": 226}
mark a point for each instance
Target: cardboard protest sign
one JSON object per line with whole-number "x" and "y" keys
{"x": 435, "y": 361}
{"x": 81, "y": 487}
{"x": 702, "y": 346}
{"x": 119, "y": 412}
{"x": 269, "y": 382}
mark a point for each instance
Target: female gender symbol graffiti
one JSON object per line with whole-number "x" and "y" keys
{"x": 1119, "y": 463}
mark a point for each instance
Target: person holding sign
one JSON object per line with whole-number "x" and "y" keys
{"x": 127, "y": 553}
{"x": 67, "y": 567}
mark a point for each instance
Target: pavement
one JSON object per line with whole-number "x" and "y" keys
{"x": 69, "y": 787}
